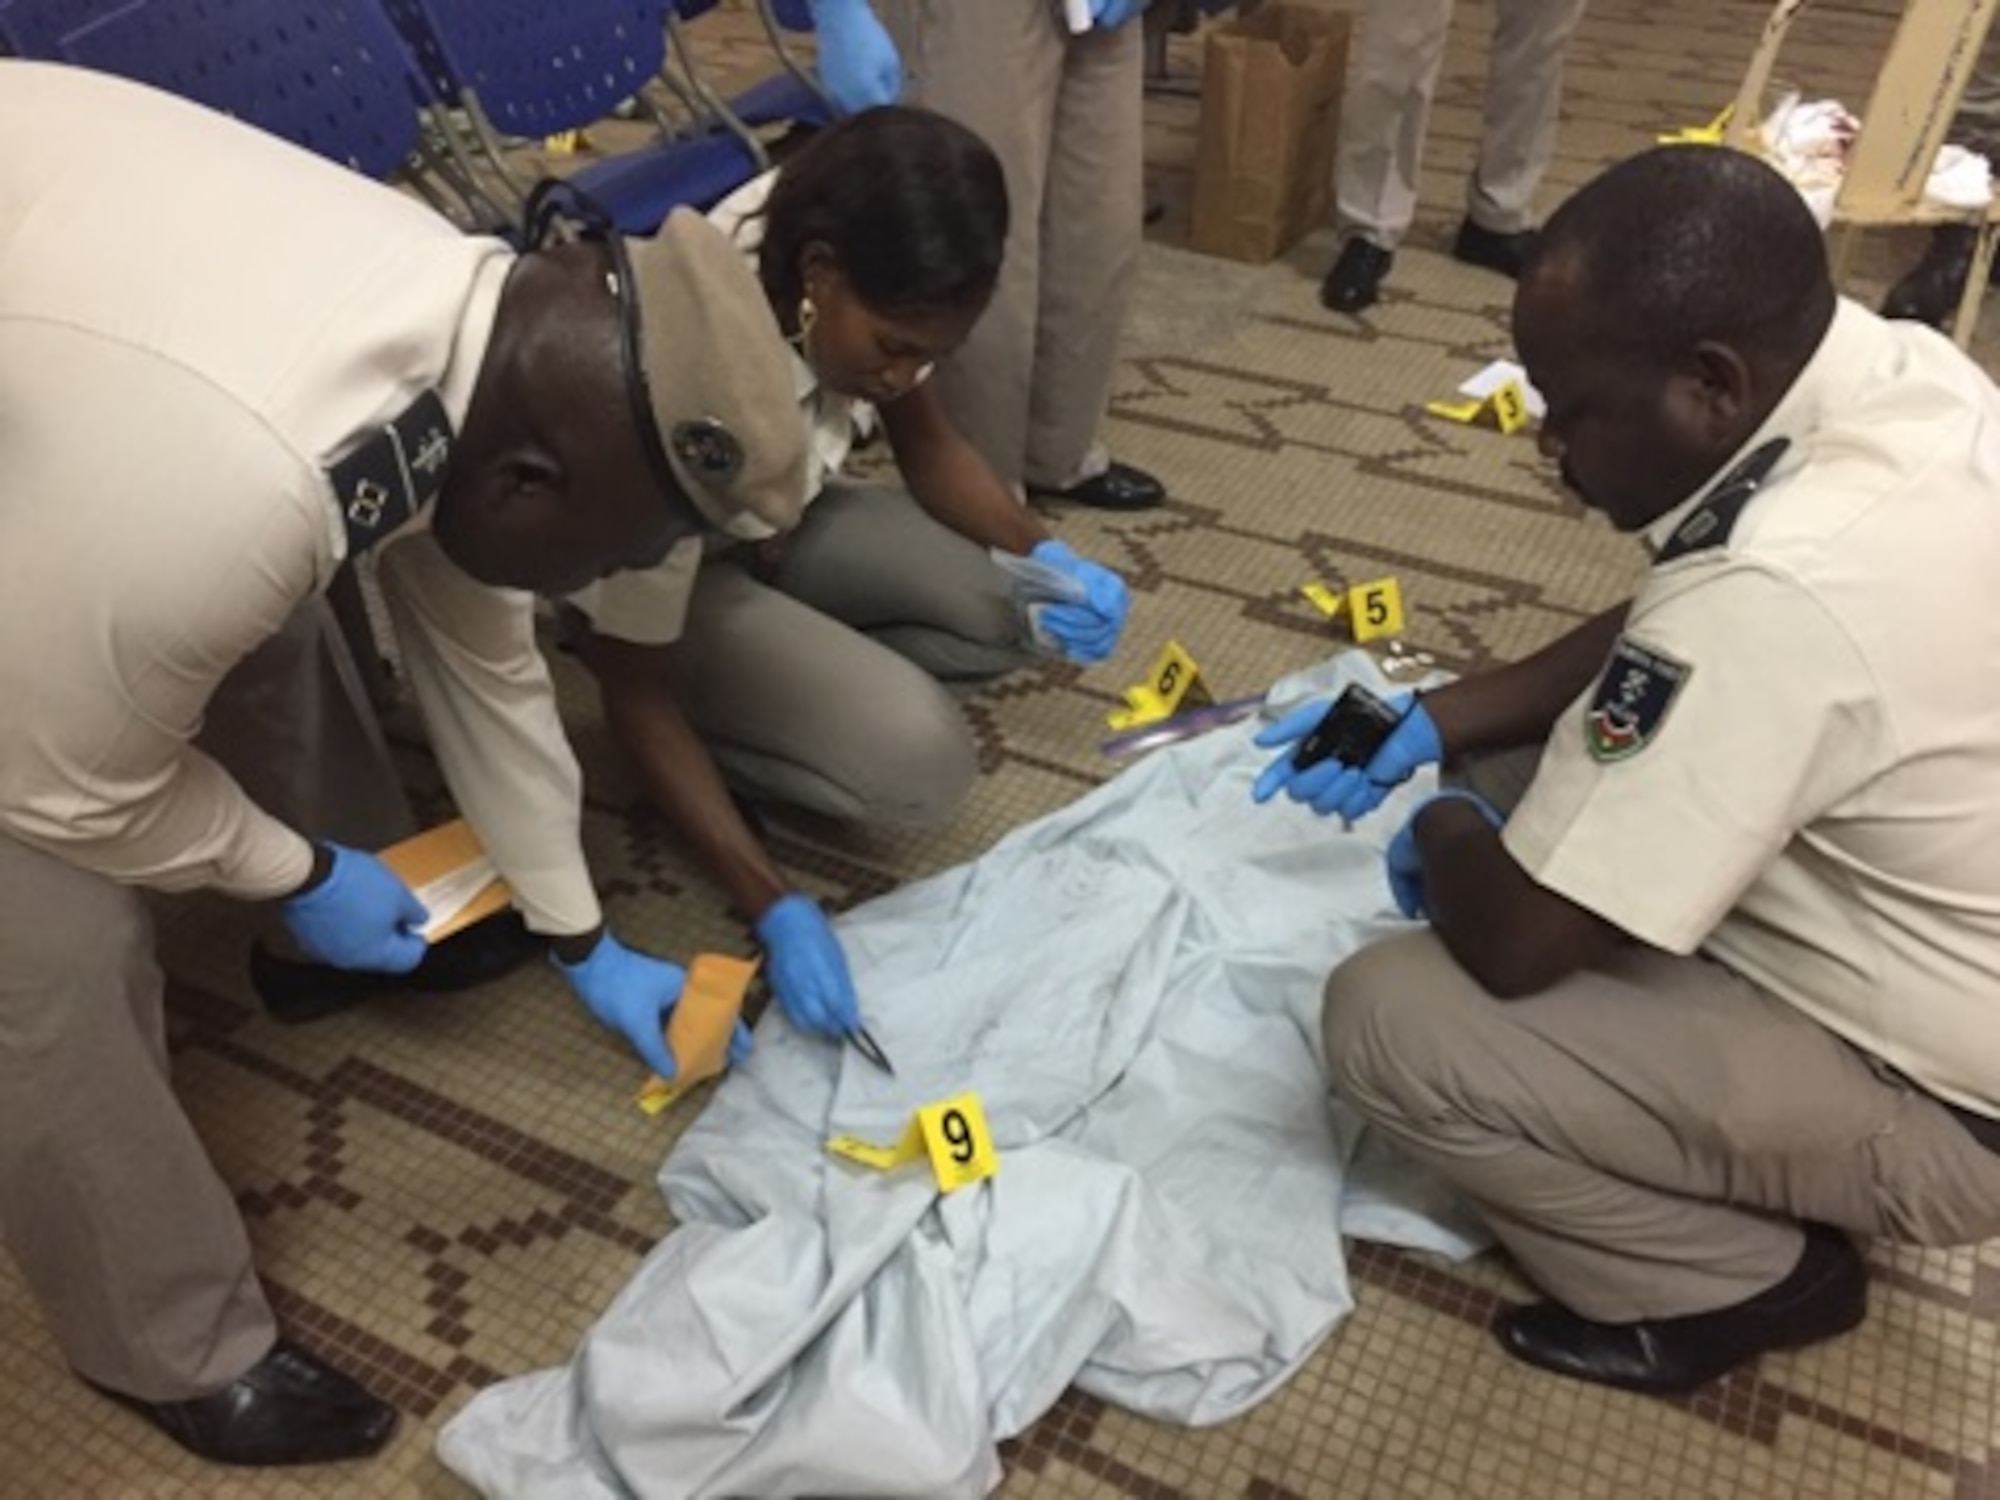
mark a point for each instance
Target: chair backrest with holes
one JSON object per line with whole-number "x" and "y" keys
{"x": 539, "y": 67}
{"x": 331, "y": 76}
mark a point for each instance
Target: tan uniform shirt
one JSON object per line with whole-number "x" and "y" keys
{"x": 1793, "y": 760}
{"x": 195, "y": 319}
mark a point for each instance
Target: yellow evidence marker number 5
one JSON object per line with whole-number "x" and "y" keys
{"x": 1376, "y": 609}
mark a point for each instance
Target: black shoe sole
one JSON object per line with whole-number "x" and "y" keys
{"x": 296, "y": 992}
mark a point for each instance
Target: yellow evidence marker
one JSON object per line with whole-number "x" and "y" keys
{"x": 1506, "y": 408}
{"x": 1173, "y": 680}
{"x": 951, "y": 1132}
{"x": 1711, "y": 134}
{"x": 448, "y": 870}
{"x": 1327, "y": 601}
{"x": 699, "y": 1030}
{"x": 1376, "y": 609}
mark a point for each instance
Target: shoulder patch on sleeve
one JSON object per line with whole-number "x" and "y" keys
{"x": 393, "y": 472}
{"x": 1709, "y": 523}
{"x": 1638, "y": 687}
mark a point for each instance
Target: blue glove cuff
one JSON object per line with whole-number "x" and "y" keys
{"x": 590, "y": 962}
{"x": 1430, "y": 744}
{"x": 783, "y": 916}
{"x": 1462, "y": 794}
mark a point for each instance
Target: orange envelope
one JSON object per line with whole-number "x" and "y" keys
{"x": 448, "y": 869}
{"x": 698, "y": 1031}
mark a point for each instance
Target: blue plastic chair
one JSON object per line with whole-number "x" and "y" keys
{"x": 331, "y": 76}
{"x": 536, "y": 68}
{"x": 793, "y": 97}
{"x": 36, "y": 30}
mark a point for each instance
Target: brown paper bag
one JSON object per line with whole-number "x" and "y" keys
{"x": 1270, "y": 107}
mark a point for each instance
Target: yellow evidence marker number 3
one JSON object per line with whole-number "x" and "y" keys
{"x": 1506, "y": 408}
{"x": 951, "y": 1132}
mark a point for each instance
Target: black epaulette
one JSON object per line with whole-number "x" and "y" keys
{"x": 392, "y": 473}
{"x": 1710, "y": 522}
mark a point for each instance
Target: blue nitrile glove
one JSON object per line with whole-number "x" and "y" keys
{"x": 1109, "y": 15}
{"x": 633, "y": 994}
{"x": 858, "y": 63}
{"x": 1405, "y": 861}
{"x": 1086, "y": 632}
{"x": 361, "y": 916}
{"x": 1335, "y": 789}
{"x": 807, "y": 967}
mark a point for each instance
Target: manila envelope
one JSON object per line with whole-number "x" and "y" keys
{"x": 448, "y": 869}
{"x": 699, "y": 1030}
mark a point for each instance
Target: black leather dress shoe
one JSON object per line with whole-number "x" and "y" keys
{"x": 1355, "y": 281}
{"x": 1826, "y": 1294}
{"x": 1119, "y": 487}
{"x": 295, "y": 990}
{"x": 1929, "y": 291}
{"x": 1505, "y": 253}
{"x": 288, "y": 1408}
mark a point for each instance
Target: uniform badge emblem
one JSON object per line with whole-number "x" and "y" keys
{"x": 1632, "y": 699}
{"x": 392, "y": 472}
{"x": 707, "y": 448}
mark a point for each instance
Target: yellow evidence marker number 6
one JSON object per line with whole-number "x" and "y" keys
{"x": 1172, "y": 681}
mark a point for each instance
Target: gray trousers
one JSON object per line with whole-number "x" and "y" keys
{"x": 819, "y": 685}
{"x": 1644, "y": 1138}
{"x": 1976, "y": 126}
{"x": 1064, "y": 115}
{"x": 127, "y": 1238}
{"x": 1390, "y": 85}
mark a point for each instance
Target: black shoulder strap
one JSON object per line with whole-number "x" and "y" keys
{"x": 392, "y": 473}
{"x": 1710, "y": 522}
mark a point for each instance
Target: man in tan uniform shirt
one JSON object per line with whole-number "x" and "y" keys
{"x": 1720, "y": 991}
{"x": 226, "y": 367}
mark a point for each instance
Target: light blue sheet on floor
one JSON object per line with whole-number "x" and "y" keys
{"x": 1132, "y": 986}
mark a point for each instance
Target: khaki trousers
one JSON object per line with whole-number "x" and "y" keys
{"x": 127, "y": 1238}
{"x": 1390, "y": 87}
{"x": 1644, "y": 1138}
{"x": 819, "y": 686}
{"x": 1030, "y": 386}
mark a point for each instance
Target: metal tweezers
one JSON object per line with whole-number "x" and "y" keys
{"x": 868, "y": 1047}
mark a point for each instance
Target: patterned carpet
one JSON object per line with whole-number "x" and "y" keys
{"x": 445, "y": 1192}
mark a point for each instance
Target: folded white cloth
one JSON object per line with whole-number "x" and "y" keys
{"x": 1809, "y": 141}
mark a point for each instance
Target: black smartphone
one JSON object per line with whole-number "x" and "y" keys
{"x": 1351, "y": 731}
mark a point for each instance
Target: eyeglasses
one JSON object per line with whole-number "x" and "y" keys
{"x": 559, "y": 212}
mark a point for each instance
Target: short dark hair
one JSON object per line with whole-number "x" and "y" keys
{"x": 912, "y": 205}
{"x": 1685, "y": 244}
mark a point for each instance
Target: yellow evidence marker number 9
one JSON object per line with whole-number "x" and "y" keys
{"x": 951, "y": 1132}
{"x": 955, "y": 1134}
